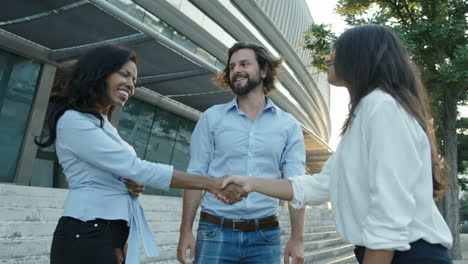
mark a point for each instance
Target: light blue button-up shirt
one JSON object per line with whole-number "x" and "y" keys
{"x": 94, "y": 161}
{"x": 226, "y": 141}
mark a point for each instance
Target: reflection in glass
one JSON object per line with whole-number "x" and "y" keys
{"x": 18, "y": 82}
{"x": 158, "y": 136}
{"x": 135, "y": 124}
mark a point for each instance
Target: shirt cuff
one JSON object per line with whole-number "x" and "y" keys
{"x": 164, "y": 177}
{"x": 298, "y": 193}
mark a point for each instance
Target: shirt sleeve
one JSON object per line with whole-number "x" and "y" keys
{"x": 293, "y": 156}
{"x": 201, "y": 147}
{"x": 83, "y": 136}
{"x": 312, "y": 189}
{"x": 394, "y": 165}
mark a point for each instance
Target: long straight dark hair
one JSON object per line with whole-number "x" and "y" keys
{"x": 372, "y": 56}
{"x": 83, "y": 87}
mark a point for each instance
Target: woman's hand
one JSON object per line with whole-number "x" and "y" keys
{"x": 134, "y": 188}
{"x": 245, "y": 183}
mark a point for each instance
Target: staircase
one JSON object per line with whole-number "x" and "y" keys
{"x": 28, "y": 216}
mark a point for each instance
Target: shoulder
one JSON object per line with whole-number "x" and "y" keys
{"x": 72, "y": 118}
{"x": 377, "y": 101}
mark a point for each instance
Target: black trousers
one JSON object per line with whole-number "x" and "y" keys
{"x": 421, "y": 252}
{"x": 97, "y": 241}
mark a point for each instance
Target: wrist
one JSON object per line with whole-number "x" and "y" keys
{"x": 185, "y": 229}
{"x": 213, "y": 186}
{"x": 298, "y": 238}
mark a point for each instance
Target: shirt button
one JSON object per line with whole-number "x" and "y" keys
{"x": 77, "y": 235}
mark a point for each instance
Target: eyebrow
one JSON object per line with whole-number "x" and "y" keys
{"x": 244, "y": 60}
{"x": 129, "y": 73}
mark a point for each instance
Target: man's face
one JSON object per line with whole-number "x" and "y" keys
{"x": 244, "y": 72}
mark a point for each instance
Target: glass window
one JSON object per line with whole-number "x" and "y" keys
{"x": 135, "y": 124}
{"x": 18, "y": 80}
{"x": 181, "y": 154}
{"x": 158, "y": 136}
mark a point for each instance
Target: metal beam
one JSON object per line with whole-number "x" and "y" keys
{"x": 23, "y": 47}
{"x": 74, "y": 52}
{"x": 171, "y": 76}
{"x": 111, "y": 9}
{"x": 318, "y": 154}
{"x": 166, "y": 103}
{"x": 34, "y": 128}
{"x": 316, "y": 160}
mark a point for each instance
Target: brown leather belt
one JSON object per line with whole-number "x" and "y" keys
{"x": 269, "y": 222}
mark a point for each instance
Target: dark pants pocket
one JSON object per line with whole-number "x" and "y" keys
{"x": 421, "y": 252}
{"x": 90, "y": 242}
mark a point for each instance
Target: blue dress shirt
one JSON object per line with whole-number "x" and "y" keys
{"x": 94, "y": 161}
{"x": 226, "y": 141}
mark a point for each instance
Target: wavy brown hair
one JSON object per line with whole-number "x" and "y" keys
{"x": 266, "y": 61}
{"x": 372, "y": 56}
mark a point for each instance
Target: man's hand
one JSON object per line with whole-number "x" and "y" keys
{"x": 134, "y": 188}
{"x": 294, "y": 249}
{"x": 228, "y": 193}
{"x": 232, "y": 194}
{"x": 186, "y": 241}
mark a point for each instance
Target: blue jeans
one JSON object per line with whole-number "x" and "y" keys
{"x": 421, "y": 252}
{"x": 217, "y": 244}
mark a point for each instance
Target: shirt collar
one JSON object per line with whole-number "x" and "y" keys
{"x": 269, "y": 105}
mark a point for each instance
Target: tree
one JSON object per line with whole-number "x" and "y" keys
{"x": 434, "y": 32}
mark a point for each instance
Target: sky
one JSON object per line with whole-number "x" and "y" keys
{"x": 323, "y": 12}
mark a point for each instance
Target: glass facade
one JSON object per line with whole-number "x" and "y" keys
{"x": 157, "y": 135}
{"x": 18, "y": 81}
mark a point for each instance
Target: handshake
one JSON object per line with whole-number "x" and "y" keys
{"x": 231, "y": 189}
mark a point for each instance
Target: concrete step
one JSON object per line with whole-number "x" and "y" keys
{"x": 347, "y": 258}
{"x": 328, "y": 252}
{"x": 43, "y": 259}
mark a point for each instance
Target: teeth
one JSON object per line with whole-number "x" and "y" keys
{"x": 123, "y": 92}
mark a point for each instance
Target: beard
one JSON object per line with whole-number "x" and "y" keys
{"x": 244, "y": 89}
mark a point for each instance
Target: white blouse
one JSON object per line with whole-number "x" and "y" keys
{"x": 379, "y": 181}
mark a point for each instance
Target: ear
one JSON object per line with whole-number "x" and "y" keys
{"x": 264, "y": 72}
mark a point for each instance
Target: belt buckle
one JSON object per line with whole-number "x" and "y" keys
{"x": 234, "y": 222}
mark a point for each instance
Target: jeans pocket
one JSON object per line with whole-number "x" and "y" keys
{"x": 207, "y": 231}
{"x": 272, "y": 236}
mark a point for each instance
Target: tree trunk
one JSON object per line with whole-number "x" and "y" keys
{"x": 449, "y": 204}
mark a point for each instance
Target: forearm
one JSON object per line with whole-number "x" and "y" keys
{"x": 281, "y": 189}
{"x": 378, "y": 256}
{"x": 191, "y": 201}
{"x": 184, "y": 180}
{"x": 297, "y": 216}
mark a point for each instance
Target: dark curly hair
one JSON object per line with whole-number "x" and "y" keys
{"x": 265, "y": 60}
{"x": 82, "y": 87}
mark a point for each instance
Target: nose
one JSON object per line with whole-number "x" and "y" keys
{"x": 131, "y": 85}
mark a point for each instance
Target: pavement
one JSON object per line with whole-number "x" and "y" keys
{"x": 464, "y": 249}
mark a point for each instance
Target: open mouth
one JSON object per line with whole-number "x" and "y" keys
{"x": 124, "y": 94}
{"x": 239, "y": 79}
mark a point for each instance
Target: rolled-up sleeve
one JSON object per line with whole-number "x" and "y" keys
{"x": 293, "y": 156}
{"x": 394, "y": 163}
{"x": 312, "y": 189}
{"x": 83, "y": 137}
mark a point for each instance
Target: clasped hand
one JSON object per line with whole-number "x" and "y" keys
{"x": 231, "y": 189}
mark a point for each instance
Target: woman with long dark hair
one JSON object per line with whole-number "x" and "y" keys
{"x": 386, "y": 171}
{"x": 100, "y": 214}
